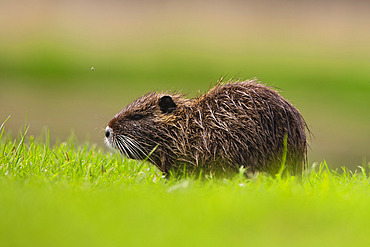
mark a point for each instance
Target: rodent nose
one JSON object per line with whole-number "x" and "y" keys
{"x": 108, "y": 131}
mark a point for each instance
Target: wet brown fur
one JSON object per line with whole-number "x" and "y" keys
{"x": 241, "y": 123}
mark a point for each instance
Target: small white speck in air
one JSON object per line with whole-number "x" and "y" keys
{"x": 92, "y": 68}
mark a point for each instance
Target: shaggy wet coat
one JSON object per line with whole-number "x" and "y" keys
{"x": 235, "y": 124}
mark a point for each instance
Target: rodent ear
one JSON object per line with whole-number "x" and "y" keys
{"x": 166, "y": 104}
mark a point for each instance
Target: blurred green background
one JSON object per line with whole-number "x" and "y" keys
{"x": 317, "y": 53}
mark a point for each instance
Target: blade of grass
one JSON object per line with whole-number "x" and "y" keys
{"x": 283, "y": 160}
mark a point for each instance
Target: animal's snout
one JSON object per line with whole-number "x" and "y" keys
{"x": 108, "y": 132}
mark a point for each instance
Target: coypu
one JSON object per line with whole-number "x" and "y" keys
{"x": 236, "y": 123}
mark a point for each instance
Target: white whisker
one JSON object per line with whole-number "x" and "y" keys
{"x": 129, "y": 148}
{"x": 121, "y": 147}
{"x": 137, "y": 146}
{"x": 134, "y": 146}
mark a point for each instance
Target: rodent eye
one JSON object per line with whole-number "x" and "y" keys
{"x": 136, "y": 117}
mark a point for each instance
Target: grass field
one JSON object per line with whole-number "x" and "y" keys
{"x": 76, "y": 194}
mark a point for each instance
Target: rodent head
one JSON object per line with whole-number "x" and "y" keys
{"x": 138, "y": 128}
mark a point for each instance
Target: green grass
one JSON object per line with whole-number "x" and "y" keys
{"x": 76, "y": 194}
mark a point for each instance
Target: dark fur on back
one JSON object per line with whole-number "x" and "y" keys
{"x": 235, "y": 124}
